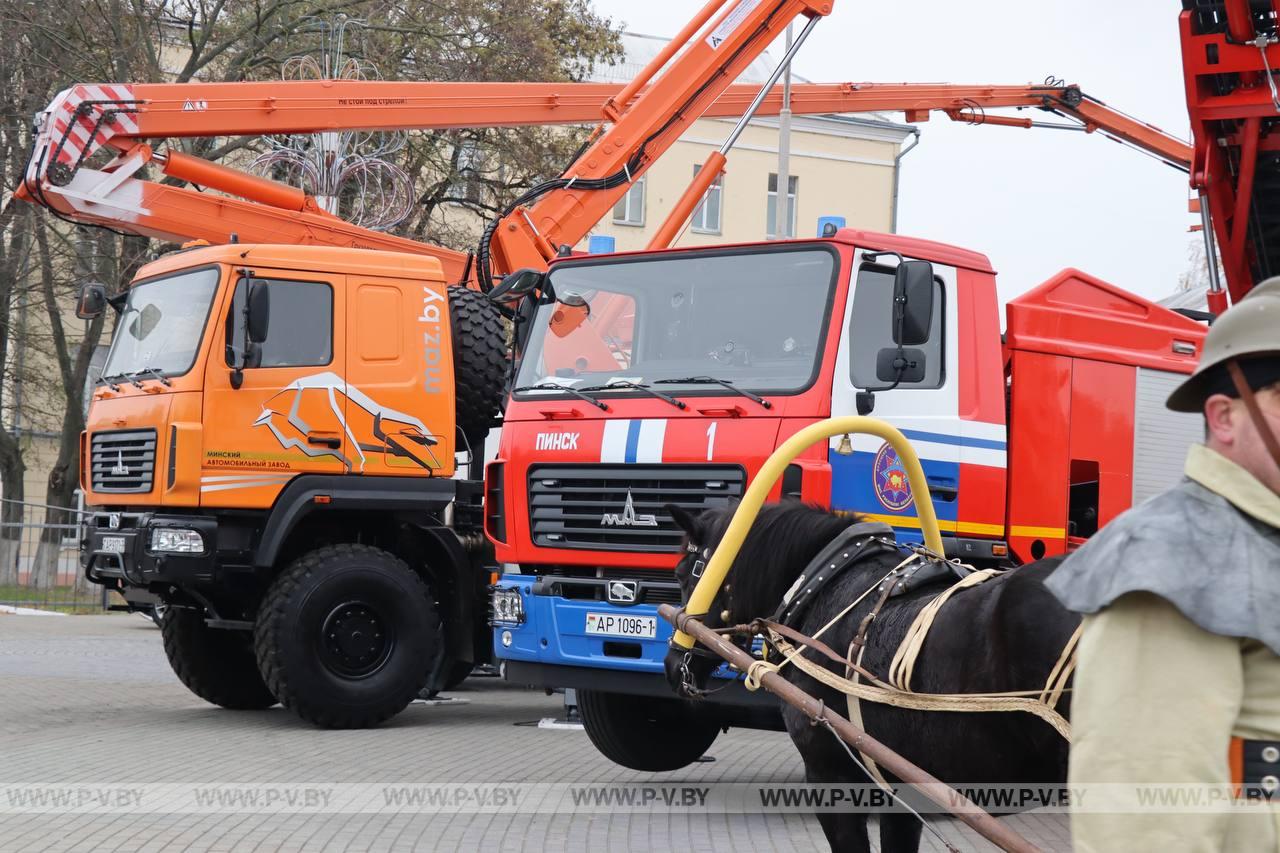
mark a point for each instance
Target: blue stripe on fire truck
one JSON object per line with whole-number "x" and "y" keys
{"x": 632, "y": 441}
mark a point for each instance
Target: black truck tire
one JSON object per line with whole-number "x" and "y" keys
{"x": 646, "y": 733}
{"x": 479, "y": 359}
{"x": 347, "y": 636}
{"x": 216, "y": 665}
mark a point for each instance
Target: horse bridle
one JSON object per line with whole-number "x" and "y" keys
{"x": 687, "y": 683}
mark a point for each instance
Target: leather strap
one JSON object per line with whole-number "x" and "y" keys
{"x": 1251, "y": 404}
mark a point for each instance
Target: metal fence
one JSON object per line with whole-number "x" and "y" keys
{"x": 40, "y": 560}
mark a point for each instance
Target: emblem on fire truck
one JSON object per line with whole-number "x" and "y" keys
{"x": 120, "y": 469}
{"x": 628, "y": 517}
{"x": 889, "y": 479}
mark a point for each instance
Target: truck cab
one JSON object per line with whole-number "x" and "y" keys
{"x": 270, "y": 453}
{"x": 651, "y": 380}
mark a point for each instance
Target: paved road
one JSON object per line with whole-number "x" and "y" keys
{"x": 90, "y": 700}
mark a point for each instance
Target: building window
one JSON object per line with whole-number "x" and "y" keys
{"x": 630, "y": 208}
{"x": 793, "y": 184}
{"x": 706, "y": 219}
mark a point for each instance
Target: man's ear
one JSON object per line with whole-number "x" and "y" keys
{"x": 683, "y": 519}
{"x": 1220, "y": 419}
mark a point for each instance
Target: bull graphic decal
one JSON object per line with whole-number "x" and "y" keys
{"x": 392, "y": 433}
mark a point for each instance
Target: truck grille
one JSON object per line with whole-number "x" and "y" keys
{"x": 123, "y": 460}
{"x": 606, "y": 507}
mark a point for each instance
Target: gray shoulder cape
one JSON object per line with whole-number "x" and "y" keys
{"x": 1192, "y": 547}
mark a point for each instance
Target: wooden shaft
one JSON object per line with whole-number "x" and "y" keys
{"x": 933, "y": 788}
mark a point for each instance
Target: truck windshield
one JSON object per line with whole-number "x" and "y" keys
{"x": 755, "y": 319}
{"x": 160, "y": 329}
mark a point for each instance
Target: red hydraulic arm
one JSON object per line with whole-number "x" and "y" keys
{"x": 1229, "y": 52}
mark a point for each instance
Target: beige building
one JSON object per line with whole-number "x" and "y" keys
{"x": 840, "y": 166}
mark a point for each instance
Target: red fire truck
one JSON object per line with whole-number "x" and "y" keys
{"x": 690, "y": 367}
{"x": 655, "y": 379}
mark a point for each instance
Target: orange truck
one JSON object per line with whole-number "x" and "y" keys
{"x": 271, "y": 452}
{"x": 271, "y": 448}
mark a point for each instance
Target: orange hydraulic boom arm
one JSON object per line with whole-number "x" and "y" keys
{"x": 644, "y": 124}
{"x": 128, "y": 118}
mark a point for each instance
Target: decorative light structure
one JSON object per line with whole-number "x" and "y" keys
{"x": 349, "y": 173}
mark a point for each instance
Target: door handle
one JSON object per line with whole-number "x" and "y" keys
{"x": 332, "y": 442}
{"x": 943, "y": 492}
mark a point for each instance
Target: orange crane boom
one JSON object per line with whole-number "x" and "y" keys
{"x": 640, "y": 121}
{"x": 269, "y": 212}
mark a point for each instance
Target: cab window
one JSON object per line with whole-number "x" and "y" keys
{"x": 871, "y": 330}
{"x": 299, "y": 328}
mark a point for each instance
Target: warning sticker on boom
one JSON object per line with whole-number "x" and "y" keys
{"x": 731, "y": 23}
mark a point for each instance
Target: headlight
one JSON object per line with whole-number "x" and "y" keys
{"x": 176, "y": 541}
{"x": 508, "y": 608}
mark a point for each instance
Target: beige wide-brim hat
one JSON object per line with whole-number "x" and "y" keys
{"x": 1247, "y": 330}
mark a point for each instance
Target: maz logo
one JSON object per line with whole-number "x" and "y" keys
{"x": 628, "y": 518}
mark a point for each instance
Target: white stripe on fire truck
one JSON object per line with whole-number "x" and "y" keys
{"x": 937, "y": 451}
{"x": 631, "y": 441}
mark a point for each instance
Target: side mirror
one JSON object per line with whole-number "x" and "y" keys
{"x": 92, "y": 300}
{"x": 912, "y": 303}
{"x": 517, "y": 285}
{"x": 259, "y": 312}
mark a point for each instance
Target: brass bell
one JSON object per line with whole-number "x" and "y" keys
{"x": 845, "y": 448}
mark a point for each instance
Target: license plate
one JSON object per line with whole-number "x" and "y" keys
{"x": 113, "y": 544}
{"x": 620, "y": 625}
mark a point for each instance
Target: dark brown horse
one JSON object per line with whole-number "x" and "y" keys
{"x": 1002, "y": 635}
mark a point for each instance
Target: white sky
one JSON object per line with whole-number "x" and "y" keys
{"x": 1035, "y": 201}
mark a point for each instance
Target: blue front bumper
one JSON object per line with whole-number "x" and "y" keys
{"x": 554, "y": 633}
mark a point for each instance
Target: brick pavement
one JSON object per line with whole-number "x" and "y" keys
{"x": 91, "y": 699}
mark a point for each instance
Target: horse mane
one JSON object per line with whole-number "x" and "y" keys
{"x": 783, "y": 540}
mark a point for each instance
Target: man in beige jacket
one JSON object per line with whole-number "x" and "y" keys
{"x": 1178, "y": 681}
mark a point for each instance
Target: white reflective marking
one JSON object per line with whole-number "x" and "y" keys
{"x": 239, "y": 477}
{"x": 223, "y": 487}
{"x": 652, "y": 435}
{"x": 613, "y": 446}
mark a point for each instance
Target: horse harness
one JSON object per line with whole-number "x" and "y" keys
{"x": 921, "y": 567}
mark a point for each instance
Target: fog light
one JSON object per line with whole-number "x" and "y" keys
{"x": 176, "y": 541}
{"x": 507, "y": 607}
{"x": 506, "y": 639}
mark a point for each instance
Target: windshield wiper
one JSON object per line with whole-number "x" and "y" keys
{"x": 724, "y": 383}
{"x": 111, "y": 380}
{"x": 155, "y": 374}
{"x": 551, "y": 386}
{"x": 131, "y": 378}
{"x": 639, "y": 386}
